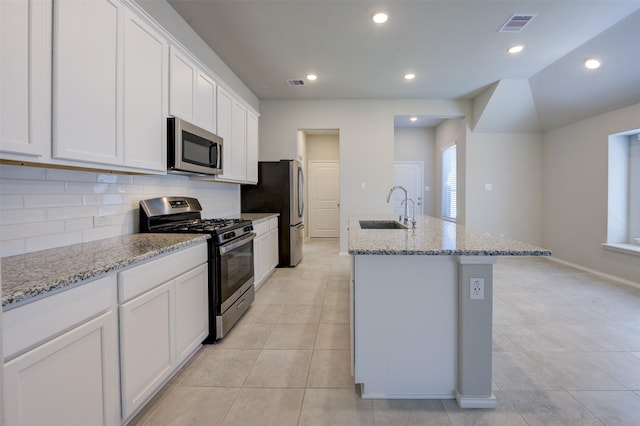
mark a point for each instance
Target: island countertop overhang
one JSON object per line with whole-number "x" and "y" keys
{"x": 433, "y": 237}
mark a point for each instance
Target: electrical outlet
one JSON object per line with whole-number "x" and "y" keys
{"x": 99, "y": 221}
{"x": 476, "y": 289}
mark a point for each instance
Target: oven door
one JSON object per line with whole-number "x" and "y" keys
{"x": 235, "y": 270}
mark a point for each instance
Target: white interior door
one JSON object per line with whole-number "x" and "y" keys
{"x": 409, "y": 174}
{"x": 324, "y": 199}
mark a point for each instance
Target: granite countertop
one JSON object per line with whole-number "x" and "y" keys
{"x": 258, "y": 217}
{"x": 30, "y": 275}
{"x": 433, "y": 237}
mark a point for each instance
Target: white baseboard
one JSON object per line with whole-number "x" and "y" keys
{"x": 594, "y": 272}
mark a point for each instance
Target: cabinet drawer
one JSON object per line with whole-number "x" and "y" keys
{"x": 273, "y": 223}
{"x": 261, "y": 227}
{"x": 139, "y": 279}
{"x": 29, "y": 325}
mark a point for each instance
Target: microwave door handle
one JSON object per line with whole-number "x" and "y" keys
{"x": 213, "y": 154}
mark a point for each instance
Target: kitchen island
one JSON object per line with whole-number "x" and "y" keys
{"x": 421, "y": 301}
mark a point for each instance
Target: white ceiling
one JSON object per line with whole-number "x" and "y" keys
{"x": 453, "y": 47}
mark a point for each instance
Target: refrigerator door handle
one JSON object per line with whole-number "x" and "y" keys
{"x": 298, "y": 227}
{"x": 300, "y": 194}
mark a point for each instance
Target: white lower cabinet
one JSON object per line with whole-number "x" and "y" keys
{"x": 146, "y": 331}
{"x": 191, "y": 312}
{"x": 265, "y": 249}
{"x": 65, "y": 370}
{"x": 163, "y": 320}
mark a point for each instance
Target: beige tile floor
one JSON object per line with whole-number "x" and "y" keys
{"x": 566, "y": 352}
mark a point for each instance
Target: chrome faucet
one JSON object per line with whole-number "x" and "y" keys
{"x": 406, "y": 218}
{"x": 413, "y": 211}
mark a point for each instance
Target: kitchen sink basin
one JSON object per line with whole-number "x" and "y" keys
{"x": 381, "y": 224}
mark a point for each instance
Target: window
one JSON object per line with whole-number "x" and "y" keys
{"x": 449, "y": 209}
{"x": 623, "y": 217}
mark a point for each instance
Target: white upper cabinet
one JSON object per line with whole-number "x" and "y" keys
{"x": 225, "y": 131}
{"x": 239, "y": 140}
{"x": 252, "y": 147}
{"x": 238, "y": 126}
{"x": 25, "y": 78}
{"x": 109, "y": 87}
{"x": 146, "y": 69}
{"x": 86, "y": 89}
{"x": 204, "y": 113}
{"x": 193, "y": 92}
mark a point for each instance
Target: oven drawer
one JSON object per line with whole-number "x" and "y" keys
{"x": 135, "y": 281}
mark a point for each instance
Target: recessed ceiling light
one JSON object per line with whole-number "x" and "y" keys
{"x": 515, "y": 49}
{"x": 414, "y": 119}
{"x": 312, "y": 77}
{"x": 380, "y": 16}
{"x": 409, "y": 76}
{"x": 592, "y": 64}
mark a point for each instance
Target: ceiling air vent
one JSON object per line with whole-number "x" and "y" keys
{"x": 295, "y": 82}
{"x": 516, "y": 23}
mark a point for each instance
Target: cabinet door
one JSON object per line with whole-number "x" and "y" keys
{"x": 252, "y": 147}
{"x": 146, "y": 56}
{"x": 25, "y": 77}
{"x": 224, "y": 111}
{"x": 182, "y": 83}
{"x": 239, "y": 136}
{"x": 205, "y": 102}
{"x": 146, "y": 346}
{"x": 70, "y": 380}
{"x": 192, "y": 324}
{"x": 86, "y": 89}
{"x": 260, "y": 259}
{"x": 273, "y": 248}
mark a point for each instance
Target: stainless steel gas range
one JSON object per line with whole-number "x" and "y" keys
{"x": 231, "y": 290}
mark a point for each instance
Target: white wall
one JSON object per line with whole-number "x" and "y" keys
{"x": 512, "y": 164}
{"x": 323, "y": 147}
{"x": 575, "y": 192}
{"x": 418, "y": 144}
{"x": 366, "y": 142}
{"x": 44, "y": 208}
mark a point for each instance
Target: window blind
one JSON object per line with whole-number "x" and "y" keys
{"x": 449, "y": 210}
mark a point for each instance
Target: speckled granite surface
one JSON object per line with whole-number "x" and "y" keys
{"x": 34, "y": 274}
{"x": 258, "y": 217}
{"x": 433, "y": 237}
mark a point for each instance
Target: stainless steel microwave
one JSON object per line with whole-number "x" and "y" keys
{"x": 192, "y": 149}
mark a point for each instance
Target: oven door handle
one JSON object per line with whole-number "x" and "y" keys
{"x": 235, "y": 244}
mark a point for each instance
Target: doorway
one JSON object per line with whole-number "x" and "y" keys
{"x": 409, "y": 174}
{"x": 324, "y": 199}
{"x": 319, "y": 152}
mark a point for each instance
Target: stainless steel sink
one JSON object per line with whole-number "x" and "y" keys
{"x": 381, "y": 224}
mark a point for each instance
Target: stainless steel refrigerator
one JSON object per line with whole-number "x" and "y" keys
{"x": 280, "y": 189}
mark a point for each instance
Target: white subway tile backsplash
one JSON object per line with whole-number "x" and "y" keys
{"x": 24, "y": 173}
{"x": 73, "y": 212}
{"x": 78, "y": 224}
{"x": 45, "y": 242}
{"x": 12, "y": 247}
{"x": 10, "y": 201}
{"x": 9, "y": 216}
{"x": 75, "y": 176}
{"x": 18, "y": 186}
{"x": 44, "y": 208}
{"x": 52, "y": 200}
{"x": 32, "y": 229}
